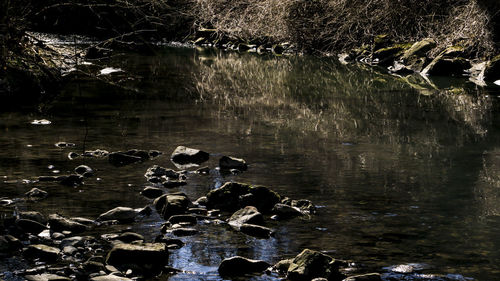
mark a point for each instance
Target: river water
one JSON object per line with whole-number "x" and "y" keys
{"x": 403, "y": 171}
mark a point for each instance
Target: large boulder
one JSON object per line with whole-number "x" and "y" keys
{"x": 184, "y": 155}
{"x": 233, "y": 196}
{"x": 239, "y": 266}
{"x": 58, "y": 223}
{"x": 30, "y": 226}
{"x": 311, "y": 264}
{"x": 123, "y": 255}
{"x": 419, "y": 49}
{"x": 168, "y": 205}
{"x": 249, "y": 214}
{"x": 121, "y": 214}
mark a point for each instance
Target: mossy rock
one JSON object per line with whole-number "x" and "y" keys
{"x": 419, "y": 49}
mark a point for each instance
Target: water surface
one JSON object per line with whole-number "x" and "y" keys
{"x": 402, "y": 171}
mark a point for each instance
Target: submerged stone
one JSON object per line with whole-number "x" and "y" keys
{"x": 256, "y": 230}
{"x": 36, "y": 194}
{"x": 239, "y": 266}
{"x": 121, "y": 159}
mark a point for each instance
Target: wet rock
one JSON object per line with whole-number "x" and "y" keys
{"x": 152, "y": 192}
{"x": 365, "y": 277}
{"x": 239, "y": 266}
{"x": 58, "y": 223}
{"x": 249, "y": 215}
{"x": 185, "y": 219}
{"x": 385, "y": 56}
{"x": 184, "y": 231}
{"x": 110, "y": 277}
{"x": 185, "y": 155}
{"x": 30, "y": 226}
{"x": 285, "y": 211}
{"x": 73, "y": 155}
{"x": 43, "y": 252}
{"x": 256, "y": 230}
{"x": 311, "y": 264}
{"x": 57, "y": 236}
{"x": 172, "y": 204}
{"x": 304, "y": 205}
{"x": 71, "y": 180}
{"x": 120, "y": 214}
{"x": 320, "y": 279}
{"x": 34, "y": 216}
{"x": 157, "y": 174}
{"x": 154, "y": 153}
{"x": 46, "y": 277}
{"x": 137, "y": 254}
{"x": 491, "y": 70}
{"x": 63, "y": 144}
{"x": 74, "y": 241}
{"x": 84, "y": 170}
{"x": 9, "y": 243}
{"x": 227, "y": 163}
{"x": 128, "y": 237}
{"x": 233, "y": 196}
{"x": 36, "y": 194}
{"x": 170, "y": 242}
{"x": 198, "y": 211}
{"x": 92, "y": 266}
{"x": 98, "y": 153}
{"x": 121, "y": 159}
{"x": 84, "y": 221}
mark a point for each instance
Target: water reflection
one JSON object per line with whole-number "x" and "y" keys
{"x": 405, "y": 170}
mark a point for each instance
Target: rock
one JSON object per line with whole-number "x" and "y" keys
{"x": 84, "y": 170}
{"x": 305, "y": 206}
{"x": 128, "y": 237}
{"x": 144, "y": 155}
{"x": 84, "y": 221}
{"x": 233, "y": 196}
{"x": 171, "y": 243}
{"x": 311, "y": 264}
{"x": 110, "y": 277}
{"x": 184, "y": 231}
{"x": 419, "y": 49}
{"x": 46, "y": 277}
{"x": 121, "y": 159}
{"x": 285, "y": 211}
{"x": 256, "y": 230}
{"x": 92, "y": 266}
{"x": 239, "y": 266}
{"x": 36, "y": 194}
{"x": 185, "y": 155}
{"x": 186, "y": 219}
{"x": 385, "y": 56}
{"x": 34, "y": 216}
{"x": 203, "y": 171}
{"x": 58, "y": 223}
{"x": 30, "y": 226}
{"x": 71, "y": 180}
{"x": 63, "y": 144}
{"x": 70, "y": 250}
{"x": 400, "y": 69}
{"x": 381, "y": 41}
{"x": 72, "y": 155}
{"x": 228, "y": 163}
{"x": 98, "y": 153}
{"x": 442, "y": 66}
{"x": 173, "y": 183}
{"x": 283, "y": 265}
{"x": 491, "y": 71}
{"x": 154, "y": 153}
{"x": 365, "y": 277}
{"x": 158, "y": 172}
{"x": 172, "y": 204}
{"x": 75, "y": 241}
{"x": 249, "y": 215}
{"x": 43, "y": 252}
{"x": 152, "y": 192}
{"x": 120, "y": 214}
{"x": 9, "y": 243}
{"x": 57, "y": 236}
{"x": 137, "y": 254}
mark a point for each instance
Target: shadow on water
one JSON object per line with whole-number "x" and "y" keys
{"x": 403, "y": 170}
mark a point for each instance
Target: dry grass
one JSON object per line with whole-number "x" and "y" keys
{"x": 333, "y": 25}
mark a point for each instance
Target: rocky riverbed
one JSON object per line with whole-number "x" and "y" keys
{"x": 40, "y": 246}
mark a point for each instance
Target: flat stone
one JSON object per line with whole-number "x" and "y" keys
{"x": 128, "y": 237}
{"x": 58, "y": 223}
{"x": 256, "y": 230}
{"x": 239, "y": 266}
{"x": 121, "y": 214}
{"x": 70, "y": 250}
{"x": 43, "y": 252}
{"x": 46, "y": 277}
{"x": 137, "y": 254}
{"x": 184, "y": 231}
